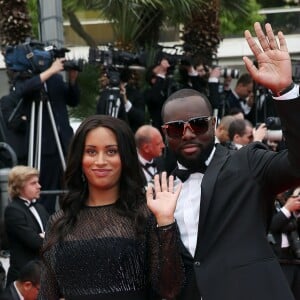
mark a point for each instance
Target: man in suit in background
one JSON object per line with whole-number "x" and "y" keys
{"x": 150, "y": 148}
{"x": 241, "y": 97}
{"x": 25, "y": 219}
{"x": 27, "y": 285}
{"x": 227, "y": 196}
{"x": 284, "y": 236}
{"x": 158, "y": 91}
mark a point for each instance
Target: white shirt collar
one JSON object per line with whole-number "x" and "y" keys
{"x": 27, "y": 202}
{"x": 143, "y": 161}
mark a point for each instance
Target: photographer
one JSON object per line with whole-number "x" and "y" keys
{"x": 160, "y": 87}
{"x": 120, "y": 97}
{"x": 284, "y": 236}
{"x": 47, "y": 85}
{"x": 193, "y": 73}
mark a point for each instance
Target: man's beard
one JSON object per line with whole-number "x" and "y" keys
{"x": 197, "y": 162}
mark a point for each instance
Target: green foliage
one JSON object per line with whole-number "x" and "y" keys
{"x": 32, "y": 6}
{"x": 234, "y": 23}
{"x": 89, "y": 91}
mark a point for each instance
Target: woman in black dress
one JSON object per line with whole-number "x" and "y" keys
{"x": 106, "y": 242}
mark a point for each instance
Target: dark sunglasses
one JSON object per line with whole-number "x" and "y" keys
{"x": 176, "y": 129}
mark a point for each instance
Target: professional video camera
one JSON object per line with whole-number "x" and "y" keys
{"x": 34, "y": 57}
{"x": 110, "y": 56}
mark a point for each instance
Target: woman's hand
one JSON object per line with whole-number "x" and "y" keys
{"x": 162, "y": 198}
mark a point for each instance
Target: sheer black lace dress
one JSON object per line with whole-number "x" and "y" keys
{"x": 102, "y": 258}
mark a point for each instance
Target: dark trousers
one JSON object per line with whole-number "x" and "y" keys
{"x": 292, "y": 273}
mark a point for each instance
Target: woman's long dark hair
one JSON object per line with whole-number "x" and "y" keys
{"x": 131, "y": 180}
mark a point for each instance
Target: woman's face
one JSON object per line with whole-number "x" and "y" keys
{"x": 101, "y": 162}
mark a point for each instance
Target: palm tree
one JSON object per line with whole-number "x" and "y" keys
{"x": 134, "y": 22}
{"x": 15, "y": 24}
{"x": 202, "y": 32}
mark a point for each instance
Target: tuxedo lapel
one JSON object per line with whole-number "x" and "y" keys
{"x": 13, "y": 292}
{"x": 30, "y": 215}
{"x": 207, "y": 187}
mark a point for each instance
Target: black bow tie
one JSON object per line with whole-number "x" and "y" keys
{"x": 184, "y": 174}
{"x": 149, "y": 165}
{"x": 31, "y": 203}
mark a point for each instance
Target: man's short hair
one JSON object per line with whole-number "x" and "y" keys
{"x": 31, "y": 272}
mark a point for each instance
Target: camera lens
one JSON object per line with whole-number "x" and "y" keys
{"x": 273, "y": 123}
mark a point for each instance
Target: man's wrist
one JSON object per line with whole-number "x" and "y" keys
{"x": 284, "y": 91}
{"x": 292, "y": 94}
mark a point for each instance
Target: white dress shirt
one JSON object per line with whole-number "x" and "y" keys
{"x": 188, "y": 208}
{"x": 34, "y": 212}
{"x": 151, "y": 171}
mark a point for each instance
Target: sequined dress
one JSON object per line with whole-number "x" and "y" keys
{"x": 103, "y": 259}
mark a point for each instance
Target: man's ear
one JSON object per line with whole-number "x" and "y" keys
{"x": 236, "y": 138}
{"x": 213, "y": 121}
{"x": 27, "y": 285}
{"x": 145, "y": 148}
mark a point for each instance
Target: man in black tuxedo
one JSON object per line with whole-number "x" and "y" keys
{"x": 284, "y": 236}
{"x": 150, "y": 146}
{"x": 227, "y": 198}
{"x": 241, "y": 98}
{"x": 25, "y": 219}
{"x": 160, "y": 85}
{"x": 27, "y": 286}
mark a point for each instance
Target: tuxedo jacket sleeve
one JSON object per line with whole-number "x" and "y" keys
{"x": 233, "y": 258}
{"x": 22, "y": 227}
{"x": 10, "y": 293}
{"x": 280, "y": 223}
{"x": 155, "y": 96}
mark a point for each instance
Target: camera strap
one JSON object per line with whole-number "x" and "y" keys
{"x": 29, "y": 56}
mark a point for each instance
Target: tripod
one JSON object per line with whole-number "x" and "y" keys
{"x": 113, "y": 102}
{"x": 35, "y": 133}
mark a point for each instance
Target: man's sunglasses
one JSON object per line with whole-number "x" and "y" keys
{"x": 176, "y": 129}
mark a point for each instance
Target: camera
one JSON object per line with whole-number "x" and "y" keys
{"x": 70, "y": 64}
{"x": 74, "y": 64}
{"x": 273, "y": 123}
{"x": 274, "y": 132}
{"x": 114, "y": 78}
{"x": 228, "y": 72}
{"x": 34, "y": 57}
{"x": 110, "y": 56}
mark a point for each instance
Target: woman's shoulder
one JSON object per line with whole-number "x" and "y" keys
{"x": 56, "y": 216}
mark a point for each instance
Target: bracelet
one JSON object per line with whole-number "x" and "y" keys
{"x": 284, "y": 91}
{"x": 166, "y": 225}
